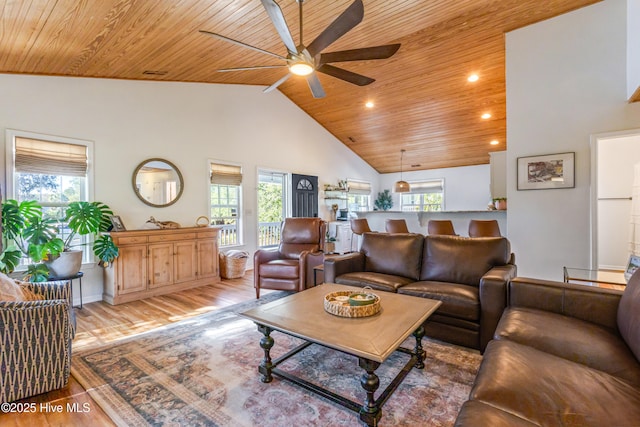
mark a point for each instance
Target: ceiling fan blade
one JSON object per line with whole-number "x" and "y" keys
{"x": 314, "y": 84}
{"x": 236, "y": 42}
{"x": 278, "y": 83}
{"x": 351, "y": 17}
{"x": 348, "y": 76}
{"x": 363, "y": 54}
{"x": 275, "y": 13}
{"x": 258, "y": 67}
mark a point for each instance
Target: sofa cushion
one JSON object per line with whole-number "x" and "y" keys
{"x": 474, "y": 413}
{"x": 458, "y": 300}
{"x": 629, "y": 314}
{"x": 461, "y": 259}
{"x": 280, "y": 269}
{"x": 12, "y": 290}
{"x": 549, "y": 390}
{"x": 572, "y": 339}
{"x": 394, "y": 254}
{"x": 378, "y": 281}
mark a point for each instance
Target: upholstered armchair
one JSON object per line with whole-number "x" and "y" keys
{"x": 35, "y": 350}
{"x": 289, "y": 267}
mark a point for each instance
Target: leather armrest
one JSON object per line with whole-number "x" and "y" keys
{"x": 260, "y": 257}
{"x": 589, "y": 303}
{"x": 339, "y": 265}
{"x": 308, "y": 260}
{"x": 493, "y": 300}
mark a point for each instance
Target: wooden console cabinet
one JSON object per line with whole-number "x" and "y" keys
{"x": 156, "y": 262}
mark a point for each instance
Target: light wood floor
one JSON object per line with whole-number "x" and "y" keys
{"x": 99, "y": 323}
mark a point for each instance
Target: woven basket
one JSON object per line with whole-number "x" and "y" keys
{"x": 232, "y": 268}
{"x": 345, "y": 310}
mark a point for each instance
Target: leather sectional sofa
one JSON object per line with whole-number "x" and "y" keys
{"x": 469, "y": 275}
{"x": 563, "y": 355}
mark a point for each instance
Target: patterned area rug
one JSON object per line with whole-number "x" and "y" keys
{"x": 203, "y": 372}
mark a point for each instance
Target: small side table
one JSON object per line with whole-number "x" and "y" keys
{"x": 71, "y": 279}
{"x": 316, "y": 269}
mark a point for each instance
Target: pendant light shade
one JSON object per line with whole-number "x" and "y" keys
{"x": 401, "y": 186}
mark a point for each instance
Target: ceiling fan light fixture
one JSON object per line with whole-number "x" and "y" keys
{"x": 401, "y": 186}
{"x": 301, "y": 68}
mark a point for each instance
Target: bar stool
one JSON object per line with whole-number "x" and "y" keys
{"x": 484, "y": 228}
{"x": 358, "y": 226}
{"x": 440, "y": 227}
{"x": 396, "y": 226}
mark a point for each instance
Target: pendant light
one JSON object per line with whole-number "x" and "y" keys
{"x": 402, "y": 186}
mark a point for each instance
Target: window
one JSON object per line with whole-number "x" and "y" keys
{"x": 424, "y": 196}
{"x": 52, "y": 170}
{"x": 272, "y": 203}
{"x": 225, "y": 194}
{"x": 359, "y": 195}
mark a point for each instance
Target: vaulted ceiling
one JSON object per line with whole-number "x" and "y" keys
{"x": 423, "y": 102}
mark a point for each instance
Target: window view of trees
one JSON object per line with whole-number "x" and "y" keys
{"x": 270, "y": 208}
{"x": 422, "y": 202}
{"x": 225, "y": 208}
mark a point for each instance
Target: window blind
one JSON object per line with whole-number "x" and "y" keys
{"x": 226, "y": 174}
{"x": 424, "y": 187}
{"x": 359, "y": 187}
{"x": 50, "y": 158}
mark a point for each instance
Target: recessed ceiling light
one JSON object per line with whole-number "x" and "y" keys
{"x": 486, "y": 116}
{"x": 494, "y": 142}
{"x": 473, "y": 78}
{"x": 369, "y": 104}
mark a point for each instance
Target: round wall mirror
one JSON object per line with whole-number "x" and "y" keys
{"x": 157, "y": 182}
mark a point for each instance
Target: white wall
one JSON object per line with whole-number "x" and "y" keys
{"x": 633, "y": 47}
{"x": 566, "y": 79}
{"x": 187, "y": 124}
{"x": 466, "y": 188}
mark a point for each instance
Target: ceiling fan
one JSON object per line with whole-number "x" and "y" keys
{"x": 306, "y": 60}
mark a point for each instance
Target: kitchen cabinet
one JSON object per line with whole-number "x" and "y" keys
{"x": 156, "y": 262}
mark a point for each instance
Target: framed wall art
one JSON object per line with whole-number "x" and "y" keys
{"x": 116, "y": 221}
{"x": 546, "y": 172}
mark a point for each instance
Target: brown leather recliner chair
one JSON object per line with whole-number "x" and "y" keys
{"x": 290, "y": 266}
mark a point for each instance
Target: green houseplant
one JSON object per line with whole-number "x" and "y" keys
{"x": 28, "y": 234}
{"x": 33, "y": 236}
{"x": 384, "y": 201}
{"x": 84, "y": 218}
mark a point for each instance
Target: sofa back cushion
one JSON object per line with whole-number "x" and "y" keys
{"x": 629, "y": 314}
{"x": 301, "y": 234}
{"x": 396, "y": 254}
{"x": 462, "y": 260}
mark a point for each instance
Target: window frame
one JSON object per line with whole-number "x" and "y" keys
{"x": 11, "y": 181}
{"x": 239, "y": 217}
{"x": 421, "y": 205}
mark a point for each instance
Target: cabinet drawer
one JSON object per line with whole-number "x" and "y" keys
{"x": 212, "y": 234}
{"x": 132, "y": 240}
{"x": 171, "y": 237}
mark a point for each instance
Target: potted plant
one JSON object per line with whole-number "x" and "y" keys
{"x": 384, "y": 201}
{"x": 28, "y": 234}
{"x": 35, "y": 237}
{"x": 84, "y": 218}
{"x": 500, "y": 203}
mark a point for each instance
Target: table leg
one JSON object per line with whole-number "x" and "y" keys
{"x": 80, "y": 279}
{"x": 418, "y": 350}
{"x": 266, "y": 343}
{"x": 370, "y": 412}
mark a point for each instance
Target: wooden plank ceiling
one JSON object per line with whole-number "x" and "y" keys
{"x": 423, "y": 101}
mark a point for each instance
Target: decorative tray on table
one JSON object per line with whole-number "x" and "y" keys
{"x": 352, "y": 304}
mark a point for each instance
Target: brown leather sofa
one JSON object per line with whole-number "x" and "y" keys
{"x": 563, "y": 355}
{"x": 469, "y": 276}
{"x": 289, "y": 267}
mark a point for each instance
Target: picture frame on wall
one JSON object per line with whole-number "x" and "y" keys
{"x": 117, "y": 224}
{"x": 546, "y": 172}
{"x": 632, "y": 266}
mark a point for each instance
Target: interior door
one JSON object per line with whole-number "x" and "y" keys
{"x": 304, "y": 195}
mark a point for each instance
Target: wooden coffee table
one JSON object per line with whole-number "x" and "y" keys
{"x": 371, "y": 339}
